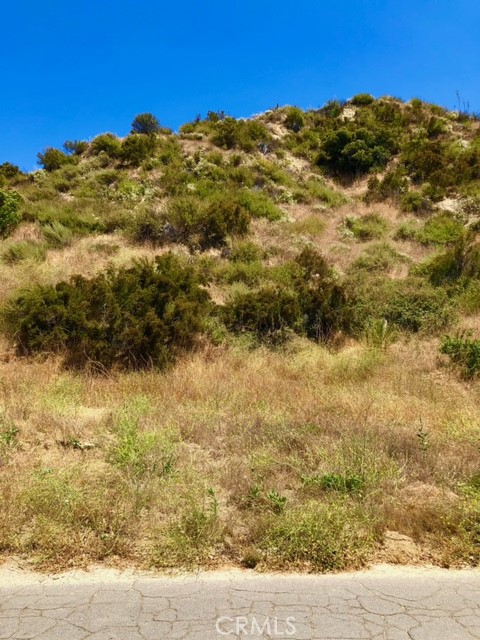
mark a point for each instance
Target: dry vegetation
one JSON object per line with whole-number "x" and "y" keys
{"x": 233, "y": 454}
{"x": 318, "y": 455}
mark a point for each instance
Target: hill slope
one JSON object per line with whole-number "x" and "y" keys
{"x": 275, "y": 389}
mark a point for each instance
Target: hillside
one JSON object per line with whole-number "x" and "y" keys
{"x": 252, "y": 341}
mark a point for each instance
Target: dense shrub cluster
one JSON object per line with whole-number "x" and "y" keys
{"x": 362, "y": 100}
{"x": 9, "y": 171}
{"x": 441, "y": 163}
{"x": 137, "y": 148}
{"x": 108, "y": 143}
{"x": 206, "y": 199}
{"x": 355, "y": 150}
{"x": 134, "y": 317}
{"x": 411, "y": 305}
{"x": 312, "y": 303}
{"x": 199, "y": 225}
{"x": 294, "y": 119}
{"x": 228, "y": 133}
{"x": 243, "y": 134}
{"x": 52, "y": 159}
{"x": 393, "y": 185}
{"x": 205, "y": 226}
{"x": 269, "y": 313}
{"x": 9, "y": 211}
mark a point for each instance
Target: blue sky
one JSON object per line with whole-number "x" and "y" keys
{"x": 70, "y": 70}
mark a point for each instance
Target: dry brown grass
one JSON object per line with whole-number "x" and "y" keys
{"x": 324, "y": 229}
{"x": 233, "y": 430}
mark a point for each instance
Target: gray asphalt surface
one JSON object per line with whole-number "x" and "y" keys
{"x": 387, "y": 603}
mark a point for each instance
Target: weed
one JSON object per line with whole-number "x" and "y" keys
{"x": 141, "y": 453}
{"x": 319, "y": 537}
{"x": 423, "y": 438}
{"x": 277, "y": 501}
{"x": 379, "y": 334}
{"x": 335, "y": 482}
{"x": 464, "y": 351}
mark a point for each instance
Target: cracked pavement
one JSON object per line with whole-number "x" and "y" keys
{"x": 388, "y": 603}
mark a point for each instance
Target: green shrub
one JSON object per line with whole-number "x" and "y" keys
{"x": 9, "y": 171}
{"x": 145, "y": 123}
{"x": 352, "y": 151}
{"x": 415, "y": 202}
{"x": 258, "y": 204}
{"x": 148, "y": 314}
{"x": 464, "y": 351}
{"x": 107, "y": 143}
{"x": 205, "y": 225}
{"x": 333, "y": 108}
{"x": 223, "y": 218}
{"x": 443, "y": 228}
{"x": 377, "y": 258}
{"x": 9, "y": 211}
{"x": 407, "y": 230}
{"x": 243, "y": 134}
{"x": 469, "y": 299}
{"x": 410, "y": 305}
{"x": 108, "y": 177}
{"x": 362, "y": 100}
{"x": 368, "y": 227}
{"x": 52, "y": 159}
{"x": 322, "y": 299}
{"x": 461, "y": 261}
{"x": 250, "y": 273}
{"x": 417, "y": 308}
{"x": 168, "y": 151}
{"x": 393, "y": 186}
{"x": 137, "y": 148}
{"x": 305, "y": 298}
{"x": 294, "y": 119}
{"x": 246, "y": 251}
{"x": 149, "y": 226}
{"x": 75, "y": 147}
{"x": 268, "y": 313}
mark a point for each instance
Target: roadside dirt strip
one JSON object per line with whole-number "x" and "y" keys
{"x": 386, "y": 603}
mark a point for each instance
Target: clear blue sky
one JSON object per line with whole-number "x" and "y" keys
{"x": 70, "y": 70}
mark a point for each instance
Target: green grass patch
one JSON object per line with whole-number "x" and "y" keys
{"x": 368, "y": 227}
{"x": 319, "y": 536}
{"x": 24, "y": 250}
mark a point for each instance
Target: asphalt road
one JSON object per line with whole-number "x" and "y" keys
{"x": 386, "y": 603}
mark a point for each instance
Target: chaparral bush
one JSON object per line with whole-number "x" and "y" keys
{"x": 131, "y": 317}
